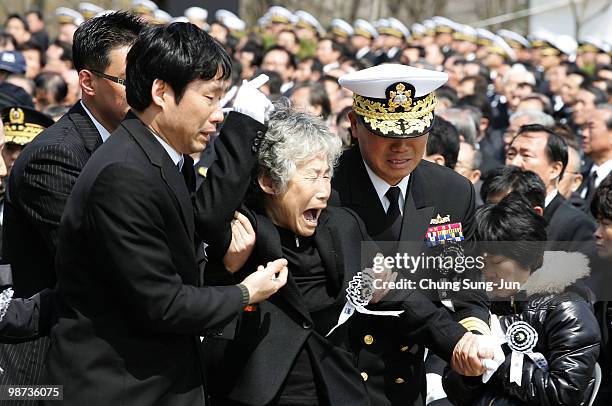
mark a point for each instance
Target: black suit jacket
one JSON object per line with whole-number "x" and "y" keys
{"x": 40, "y": 182}
{"x": 567, "y": 223}
{"x": 132, "y": 301}
{"x": 433, "y": 190}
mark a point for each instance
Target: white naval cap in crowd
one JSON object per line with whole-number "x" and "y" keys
{"x": 279, "y": 14}
{"x": 196, "y": 13}
{"x": 161, "y": 17}
{"x": 593, "y": 44}
{"x": 180, "y": 19}
{"x": 514, "y": 39}
{"x": 89, "y": 10}
{"x": 501, "y": 47}
{"x": 397, "y": 28}
{"x": 341, "y": 28}
{"x": 67, "y": 15}
{"x": 365, "y": 29}
{"x": 144, "y": 7}
{"x": 418, "y": 30}
{"x": 307, "y": 20}
{"x": 230, "y": 20}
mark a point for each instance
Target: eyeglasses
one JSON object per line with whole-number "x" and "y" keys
{"x": 109, "y": 77}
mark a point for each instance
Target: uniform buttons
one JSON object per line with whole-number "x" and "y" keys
{"x": 368, "y": 339}
{"x": 364, "y": 376}
{"x": 404, "y": 348}
{"x": 259, "y": 134}
{"x": 254, "y": 148}
{"x": 256, "y": 141}
{"x": 306, "y": 324}
{"x": 399, "y": 380}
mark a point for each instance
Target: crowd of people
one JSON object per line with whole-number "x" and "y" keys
{"x": 188, "y": 204}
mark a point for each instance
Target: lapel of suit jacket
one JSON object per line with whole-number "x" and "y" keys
{"x": 331, "y": 255}
{"x": 86, "y": 127}
{"x": 169, "y": 172}
{"x": 269, "y": 248}
{"x": 549, "y": 211}
{"x": 364, "y": 199}
{"x": 418, "y": 208}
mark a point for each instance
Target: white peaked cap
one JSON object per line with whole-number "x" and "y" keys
{"x": 340, "y": 24}
{"x": 197, "y": 13}
{"x": 373, "y": 82}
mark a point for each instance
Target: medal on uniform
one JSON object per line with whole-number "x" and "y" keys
{"x": 522, "y": 339}
{"x": 359, "y": 293}
{"x": 442, "y": 234}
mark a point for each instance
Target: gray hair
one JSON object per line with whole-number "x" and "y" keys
{"x": 606, "y": 108}
{"x": 534, "y": 117}
{"x": 521, "y": 73}
{"x": 293, "y": 138}
{"x": 463, "y": 122}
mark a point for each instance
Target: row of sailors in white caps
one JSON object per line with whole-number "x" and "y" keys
{"x": 504, "y": 42}
{"x": 150, "y": 10}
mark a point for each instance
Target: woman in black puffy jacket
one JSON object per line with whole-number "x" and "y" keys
{"x": 553, "y": 302}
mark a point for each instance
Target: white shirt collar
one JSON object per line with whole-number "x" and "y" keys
{"x": 286, "y": 86}
{"x": 177, "y": 157}
{"x": 550, "y": 197}
{"x": 362, "y": 52}
{"x": 382, "y": 187}
{"x": 101, "y": 130}
{"x": 602, "y": 171}
{"x": 330, "y": 66}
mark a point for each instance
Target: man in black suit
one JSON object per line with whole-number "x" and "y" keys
{"x": 401, "y": 197}
{"x": 539, "y": 149}
{"x": 45, "y": 172}
{"x": 597, "y": 144}
{"x": 132, "y": 297}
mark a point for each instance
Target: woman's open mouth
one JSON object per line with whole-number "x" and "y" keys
{"x": 312, "y": 215}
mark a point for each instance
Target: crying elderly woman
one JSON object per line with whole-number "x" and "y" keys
{"x": 280, "y": 354}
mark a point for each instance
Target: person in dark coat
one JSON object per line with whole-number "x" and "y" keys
{"x": 601, "y": 281}
{"x": 46, "y": 170}
{"x": 549, "y": 314}
{"x": 401, "y": 197}
{"x": 132, "y": 305}
{"x": 541, "y": 150}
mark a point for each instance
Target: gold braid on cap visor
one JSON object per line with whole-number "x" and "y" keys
{"x": 379, "y": 118}
{"x": 21, "y": 134}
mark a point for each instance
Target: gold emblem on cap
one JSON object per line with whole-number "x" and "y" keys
{"x": 399, "y": 98}
{"x": 16, "y": 116}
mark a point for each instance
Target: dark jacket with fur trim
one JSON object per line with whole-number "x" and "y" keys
{"x": 556, "y": 303}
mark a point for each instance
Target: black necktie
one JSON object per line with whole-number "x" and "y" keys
{"x": 188, "y": 174}
{"x": 394, "y": 217}
{"x": 590, "y": 188}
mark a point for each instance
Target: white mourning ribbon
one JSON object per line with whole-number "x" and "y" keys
{"x": 522, "y": 339}
{"x": 358, "y": 295}
{"x": 5, "y": 300}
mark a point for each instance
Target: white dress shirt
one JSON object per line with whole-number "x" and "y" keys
{"x": 177, "y": 157}
{"x": 550, "y": 197}
{"x": 382, "y": 187}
